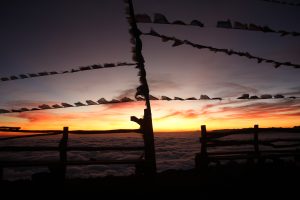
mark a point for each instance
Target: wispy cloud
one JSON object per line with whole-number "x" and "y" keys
{"x": 127, "y": 93}
{"x": 187, "y": 114}
{"x": 163, "y": 83}
{"x": 231, "y": 89}
{"x": 254, "y": 109}
{"x": 240, "y": 110}
{"x": 295, "y": 91}
{"x": 121, "y": 107}
{"x": 46, "y": 116}
{"x": 160, "y": 83}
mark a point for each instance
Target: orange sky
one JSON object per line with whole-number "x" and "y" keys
{"x": 42, "y": 37}
{"x": 167, "y": 116}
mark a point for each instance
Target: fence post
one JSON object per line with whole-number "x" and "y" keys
{"x": 1, "y": 174}
{"x": 63, "y": 144}
{"x": 256, "y": 141}
{"x": 203, "y": 140}
{"x": 150, "y": 159}
{"x": 202, "y": 157}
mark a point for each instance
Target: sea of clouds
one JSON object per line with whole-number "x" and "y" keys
{"x": 173, "y": 151}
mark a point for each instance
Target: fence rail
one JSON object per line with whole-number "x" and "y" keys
{"x": 141, "y": 163}
{"x": 280, "y": 147}
{"x": 42, "y": 148}
{"x": 29, "y": 136}
{"x": 57, "y": 132}
{"x": 106, "y": 131}
{"x": 75, "y": 131}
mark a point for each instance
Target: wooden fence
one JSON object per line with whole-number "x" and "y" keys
{"x": 144, "y": 164}
{"x": 215, "y": 148}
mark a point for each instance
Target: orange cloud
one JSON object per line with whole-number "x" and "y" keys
{"x": 43, "y": 116}
{"x": 167, "y": 116}
{"x": 188, "y": 114}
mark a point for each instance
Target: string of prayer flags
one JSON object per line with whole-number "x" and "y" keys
{"x": 166, "y": 98}
{"x": 226, "y": 24}
{"x": 159, "y": 18}
{"x": 282, "y": 2}
{"x": 90, "y": 102}
{"x": 102, "y": 101}
{"x": 228, "y": 52}
{"x": 143, "y": 18}
{"x": 78, "y": 69}
{"x": 264, "y": 96}
{"x": 253, "y": 27}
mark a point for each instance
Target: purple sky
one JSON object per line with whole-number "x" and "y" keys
{"x": 41, "y": 36}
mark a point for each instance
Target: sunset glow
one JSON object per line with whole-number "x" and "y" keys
{"x": 43, "y": 37}
{"x": 167, "y": 116}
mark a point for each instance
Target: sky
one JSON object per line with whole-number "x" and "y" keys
{"x": 39, "y": 36}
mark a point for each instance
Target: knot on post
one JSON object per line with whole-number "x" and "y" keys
{"x": 139, "y": 121}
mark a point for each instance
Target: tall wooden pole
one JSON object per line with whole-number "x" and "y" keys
{"x": 143, "y": 90}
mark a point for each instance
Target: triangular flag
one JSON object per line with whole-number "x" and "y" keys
{"x": 160, "y": 19}
{"x": 143, "y": 18}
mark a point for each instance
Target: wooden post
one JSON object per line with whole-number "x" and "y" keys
{"x": 150, "y": 159}
{"x": 1, "y": 174}
{"x": 202, "y": 157}
{"x": 256, "y": 141}
{"x": 203, "y": 141}
{"x": 140, "y": 167}
{"x": 297, "y": 155}
{"x": 143, "y": 90}
{"x": 256, "y": 144}
{"x": 63, "y": 144}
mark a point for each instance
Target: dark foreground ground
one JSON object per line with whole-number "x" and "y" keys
{"x": 270, "y": 180}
